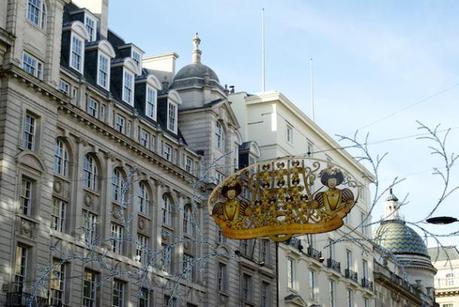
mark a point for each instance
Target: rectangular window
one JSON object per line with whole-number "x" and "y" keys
{"x": 349, "y": 260}
{"x": 29, "y": 132}
{"x": 141, "y": 250}
{"x": 103, "y": 71}
{"x": 170, "y": 301}
{"x": 265, "y": 294}
{"x": 32, "y": 65}
{"x": 144, "y": 137}
{"x": 362, "y": 223}
{"x": 289, "y": 134}
{"x": 265, "y": 252}
{"x": 76, "y": 53}
{"x": 365, "y": 269}
{"x": 120, "y": 123}
{"x": 167, "y": 254}
{"x": 91, "y": 27}
{"x": 350, "y": 298}
{"x": 128, "y": 87}
{"x": 312, "y": 284}
{"x": 290, "y": 273}
{"x": 89, "y": 227}
{"x": 26, "y": 196}
{"x": 64, "y": 87}
{"x": 172, "y": 117}
{"x": 189, "y": 164}
{"x": 118, "y": 293}
{"x": 34, "y": 11}
{"x": 117, "y": 238}
{"x": 331, "y": 249}
{"x": 90, "y": 292}
{"x": 91, "y": 107}
{"x": 57, "y": 283}
{"x": 144, "y": 297}
{"x": 188, "y": 262}
{"x": 21, "y": 267}
{"x": 219, "y": 136}
{"x": 167, "y": 152}
{"x": 221, "y": 282}
{"x": 332, "y": 289}
{"x": 58, "y": 215}
{"x": 367, "y": 302}
{"x": 150, "y": 106}
{"x": 137, "y": 57}
{"x": 246, "y": 287}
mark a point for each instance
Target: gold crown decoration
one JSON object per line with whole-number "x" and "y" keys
{"x": 282, "y": 198}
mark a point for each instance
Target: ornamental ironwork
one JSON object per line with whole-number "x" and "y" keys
{"x": 282, "y": 198}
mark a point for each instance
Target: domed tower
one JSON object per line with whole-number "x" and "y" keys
{"x": 396, "y": 237}
{"x": 197, "y": 83}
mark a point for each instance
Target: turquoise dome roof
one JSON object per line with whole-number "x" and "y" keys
{"x": 396, "y": 237}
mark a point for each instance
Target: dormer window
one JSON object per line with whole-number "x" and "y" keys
{"x": 76, "y": 53}
{"x": 103, "y": 71}
{"x": 136, "y": 55}
{"x": 150, "y": 102}
{"x": 172, "y": 116}
{"x": 128, "y": 87}
{"x": 91, "y": 26}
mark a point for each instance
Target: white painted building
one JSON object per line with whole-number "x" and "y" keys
{"x": 446, "y": 261}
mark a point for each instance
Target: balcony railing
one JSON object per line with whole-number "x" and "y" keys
{"x": 22, "y": 299}
{"x": 334, "y": 265}
{"x": 367, "y": 284}
{"x": 314, "y": 253}
{"x": 348, "y": 273}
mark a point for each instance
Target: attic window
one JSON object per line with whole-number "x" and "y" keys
{"x": 137, "y": 57}
{"x": 103, "y": 71}
{"x": 91, "y": 26}
{"x": 76, "y": 53}
{"x": 128, "y": 87}
{"x": 150, "y": 102}
{"x": 172, "y": 116}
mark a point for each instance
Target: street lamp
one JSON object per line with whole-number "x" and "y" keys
{"x": 442, "y": 220}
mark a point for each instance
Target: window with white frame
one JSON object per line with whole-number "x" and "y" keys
{"x": 76, "y": 53}
{"x": 172, "y": 116}
{"x": 219, "y": 136}
{"x": 120, "y": 123}
{"x": 290, "y": 273}
{"x": 36, "y": 12}
{"x": 143, "y": 198}
{"x": 144, "y": 297}
{"x": 27, "y": 190}
{"x": 144, "y": 137}
{"x": 365, "y": 269}
{"x": 118, "y": 296}
{"x": 141, "y": 248}
{"x": 64, "y": 87}
{"x": 128, "y": 87}
{"x": 91, "y": 26}
{"x": 332, "y": 290}
{"x": 167, "y": 152}
{"x": 187, "y": 220}
{"x": 32, "y": 65}
{"x": 350, "y": 298}
{"x": 92, "y": 106}
{"x": 61, "y": 158}
{"x": 57, "y": 283}
{"x": 188, "y": 262}
{"x": 137, "y": 57}
{"x": 118, "y": 182}
{"x": 221, "y": 277}
{"x": 21, "y": 267}
{"x": 449, "y": 279}
{"x": 289, "y": 134}
{"x": 89, "y": 227}
{"x": 166, "y": 208}
{"x": 349, "y": 265}
{"x": 58, "y": 215}
{"x": 150, "y": 102}
{"x": 247, "y": 287}
{"x": 29, "y": 131}
{"x": 312, "y": 284}
{"x": 117, "y": 238}
{"x": 189, "y": 165}
{"x": 103, "y": 71}
{"x": 90, "y": 293}
{"x": 90, "y": 172}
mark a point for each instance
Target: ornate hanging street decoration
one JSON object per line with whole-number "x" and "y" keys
{"x": 283, "y": 198}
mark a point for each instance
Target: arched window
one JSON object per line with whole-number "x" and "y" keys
{"x": 166, "y": 208}
{"x": 187, "y": 220}
{"x": 36, "y": 12}
{"x": 118, "y": 188}
{"x": 144, "y": 198}
{"x": 90, "y": 172}
{"x": 61, "y": 159}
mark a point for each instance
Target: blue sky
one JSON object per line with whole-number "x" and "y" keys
{"x": 384, "y": 63}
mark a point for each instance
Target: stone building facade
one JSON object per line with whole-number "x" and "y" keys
{"x": 103, "y": 179}
{"x": 446, "y": 260}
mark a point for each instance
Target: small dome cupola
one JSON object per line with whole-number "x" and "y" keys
{"x": 196, "y": 58}
{"x": 391, "y": 207}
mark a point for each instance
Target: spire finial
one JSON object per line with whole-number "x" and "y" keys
{"x": 196, "y": 58}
